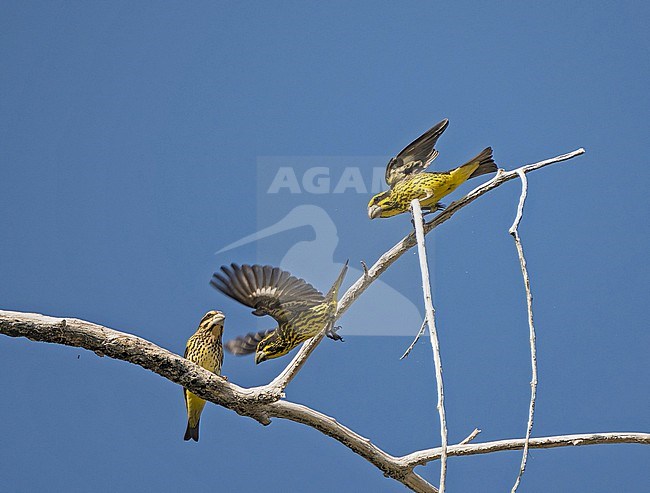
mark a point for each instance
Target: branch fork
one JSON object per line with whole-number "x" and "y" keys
{"x": 267, "y": 402}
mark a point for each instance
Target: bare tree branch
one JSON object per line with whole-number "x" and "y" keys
{"x": 126, "y": 347}
{"x": 263, "y": 403}
{"x": 282, "y": 380}
{"x": 423, "y": 457}
{"x": 259, "y": 403}
{"x": 387, "y": 259}
{"x": 415, "y": 341}
{"x": 406, "y": 243}
{"x": 389, "y": 465}
{"x": 418, "y": 222}
{"x": 471, "y": 436}
{"x": 531, "y": 325}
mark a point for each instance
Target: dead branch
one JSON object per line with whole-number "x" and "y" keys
{"x": 415, "y": 340}
{"x": 531, "y": 325}
{"x": 418, "y": 221}
{"x": 423, "y": 457}
{"x": 259, "y": 403}
{"x": 401, "y": 247}
{"x": 265, "y": 402}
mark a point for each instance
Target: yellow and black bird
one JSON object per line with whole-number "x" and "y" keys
{"x": 407, "y": 180}
{"x": 203, "y": 348}
{"x": 300, "y": 310}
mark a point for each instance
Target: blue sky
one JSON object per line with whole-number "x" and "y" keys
{"x": 139, "y": 139}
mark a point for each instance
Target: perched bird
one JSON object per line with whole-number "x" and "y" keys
{"x": 203, "y": 348}
{"x": 407, "y": 180}
{"x": 300, "y": 310}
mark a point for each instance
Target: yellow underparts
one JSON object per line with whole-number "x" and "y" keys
{"x": 433, "y": 186}
{"x": 428, "y": 187}
{"x": 195, "y": 407}
{"x": 204, "y": 349}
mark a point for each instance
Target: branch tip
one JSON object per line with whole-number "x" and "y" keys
{"x": 143, "y": 353}
{"x": 365, "y": 269}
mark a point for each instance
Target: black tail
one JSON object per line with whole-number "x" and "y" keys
{"x": 485, "y": 163}
{"x": 192, "y": 433}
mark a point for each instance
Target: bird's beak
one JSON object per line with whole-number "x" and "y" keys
{"x": 218, "y": 318}
{"x": 374, "y": 211}
{"x": 259, "y": 357}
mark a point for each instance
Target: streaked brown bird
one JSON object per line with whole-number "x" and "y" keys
{"x": 203, "y": 348}
{"x": 300, "y": 310}
{"x": 407, "y": 180}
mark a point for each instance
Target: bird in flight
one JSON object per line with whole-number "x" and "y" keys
{"x": 300, "y": 310}
{"x": 203, "y": 348}
{"x": 407, "y": 179}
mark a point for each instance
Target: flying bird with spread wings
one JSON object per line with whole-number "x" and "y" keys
{"x": 300, "y": 310}
{"x": 407, "y": 179}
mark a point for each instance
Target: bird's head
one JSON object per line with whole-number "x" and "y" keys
{"x": 271, "y": 347}
{"x": 213, "y": 322}
{"x": 383, "y": 205}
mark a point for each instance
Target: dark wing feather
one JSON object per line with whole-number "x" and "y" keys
{"x": 416, "y": 156}
{"x": 269, "y": 290}
{"x": 247, "y": 344}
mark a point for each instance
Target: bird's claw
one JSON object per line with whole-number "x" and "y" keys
{"x": 430, "y": 210}
{"x": 331, "y": 333}
{"x": 434, "y": 208}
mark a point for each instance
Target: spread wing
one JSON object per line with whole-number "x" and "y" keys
{"x": 416, "y": 156}
{"x": 269, "y": 290}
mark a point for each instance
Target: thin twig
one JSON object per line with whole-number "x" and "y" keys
{"x": 406, "y": 243}
{"x": 415, "y": 341}
{"x": 522, "y": 201}
{"x": 418, "y": 221}
{"x": 471, "y": 436}
{"x": 261, "y": 403}
{"x": 531, "y": 326}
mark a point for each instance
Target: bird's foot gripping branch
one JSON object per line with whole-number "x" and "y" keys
{"x": 266, "y": 402}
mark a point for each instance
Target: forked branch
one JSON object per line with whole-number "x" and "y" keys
{"x": 423, "y": 457}
{"x": 401, "y": 247}
{"x": 265, "y": 402}
{"x": 261, "y": 405}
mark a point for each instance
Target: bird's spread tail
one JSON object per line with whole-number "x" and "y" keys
{"x": 192, "y": 433}
{"x": 333, "y": 293}
{"x": 485, "y": 163}
{"x": 247, "y": 344}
